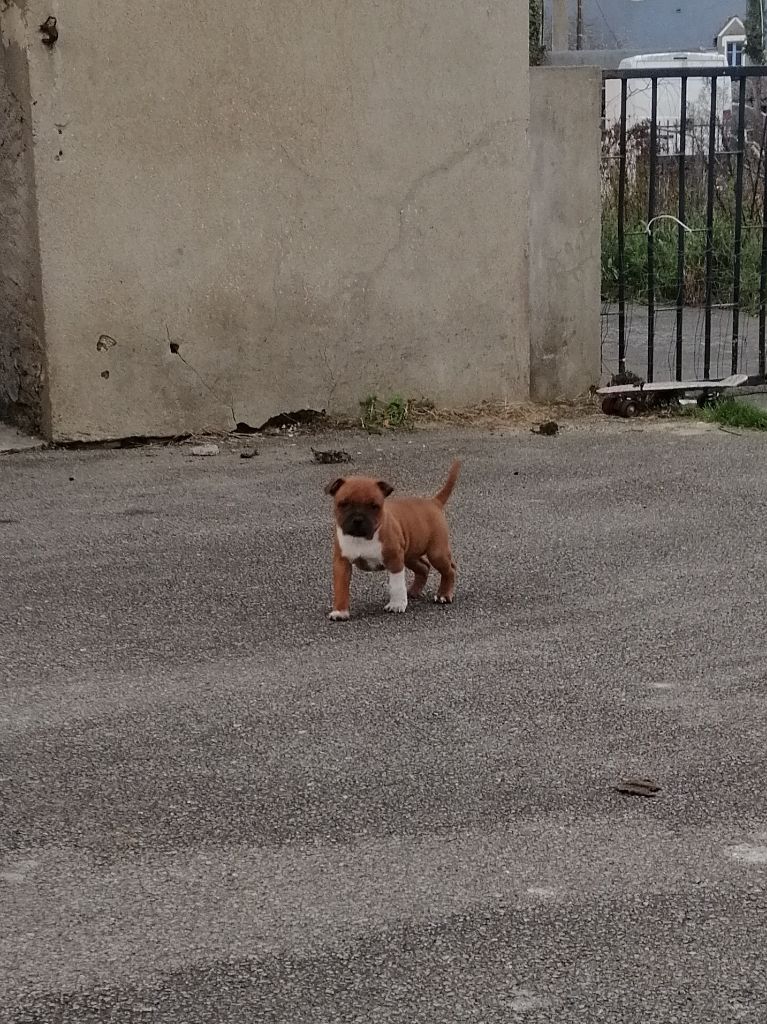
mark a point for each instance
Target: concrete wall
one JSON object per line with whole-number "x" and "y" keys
{"x": 565, "y": 218}
{"x": 313, "y": 199}
{"x": 22, "y": 361}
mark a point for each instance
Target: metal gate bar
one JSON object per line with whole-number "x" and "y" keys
{"x": 763, "y": 273}
{"x": 681, "y": 231}
{"x": 651, "y": 228}
{"x": 711, "y": 182}
{"x": 622, "y": 236}
{"x": 740, "y": 153}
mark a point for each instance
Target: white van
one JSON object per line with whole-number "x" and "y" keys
{"x": 639, "y": 100}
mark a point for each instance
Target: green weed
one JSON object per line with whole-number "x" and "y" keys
{"x": 731, "y": 412}
{"x": 381, "y": 415}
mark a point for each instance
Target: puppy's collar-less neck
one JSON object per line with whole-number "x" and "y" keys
{"x": 359, "y": 548}
{"x": 347, "y": 540}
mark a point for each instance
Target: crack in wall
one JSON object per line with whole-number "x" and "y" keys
{"x": 176, "y": 352}
{"x": 480, "y": 141}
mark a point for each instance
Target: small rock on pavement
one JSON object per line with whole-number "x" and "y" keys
{"x": 205, "y": 449}
{"x": 638, "y": 787}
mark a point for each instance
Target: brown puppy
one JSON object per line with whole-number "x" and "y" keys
{"x": 375, "y": 534}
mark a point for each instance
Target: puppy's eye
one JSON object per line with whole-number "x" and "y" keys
{"x": 343, "y": 504}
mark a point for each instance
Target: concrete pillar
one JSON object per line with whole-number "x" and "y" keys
{"x": 565, "y": 209}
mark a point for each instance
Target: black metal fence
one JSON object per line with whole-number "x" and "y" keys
{"x": 684, "y": 229}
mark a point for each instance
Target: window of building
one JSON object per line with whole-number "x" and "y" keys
{"x": 734, "y": 53}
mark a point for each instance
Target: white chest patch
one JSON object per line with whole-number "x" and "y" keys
{"x": 363, "y": 553}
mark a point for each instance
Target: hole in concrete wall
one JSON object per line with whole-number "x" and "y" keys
{"x": 49, "y": 31}
{"x": 245, "y": 428}
{"x": 105, "y": 374}
{"x": 105, "y": 342}
{"x": 174, "y": 347}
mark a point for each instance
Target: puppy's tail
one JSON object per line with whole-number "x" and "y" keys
{"x": 441, "y": 496}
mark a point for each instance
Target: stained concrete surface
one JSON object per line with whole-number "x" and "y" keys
{"x": 314, "y": 200}
{"x": 217, "y": 805}
{"x": 22, "y": 356}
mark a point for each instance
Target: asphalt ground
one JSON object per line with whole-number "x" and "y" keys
{"x": 219, "y": 806}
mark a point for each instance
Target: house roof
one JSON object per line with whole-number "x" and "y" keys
{"x": 653, "y": 26}
{"x": 733, "y": 27}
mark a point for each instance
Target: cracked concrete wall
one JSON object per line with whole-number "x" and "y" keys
{"x": 22, "y": 361}
{"x": 312, "y": 200}
{"x": 565, "y": 231}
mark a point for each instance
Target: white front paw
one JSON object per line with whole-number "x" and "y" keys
{"x": 397, "y": 592}
{"x": 337, "y": 616}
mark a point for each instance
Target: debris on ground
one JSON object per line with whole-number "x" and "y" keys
{"x": 329, "y": 457}
{"x": 205, "y": 450}
{"x": 249, "y": 453}
{"x": 290, "y": 422}
{"x": 245, "y": 428}
{"x": 498, "y": 414}
{"x": 626, "y": 377}
{"x": 638, "y": 787}
{"x": 549, "y": 428}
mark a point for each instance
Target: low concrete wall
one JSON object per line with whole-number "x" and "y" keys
{"x": 247, "y": 208}
{"x": 565, "y": 235}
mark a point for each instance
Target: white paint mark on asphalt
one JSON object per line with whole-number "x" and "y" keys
{"x": 19, "y": 870}
{"x": 525, "y": 1001}
{"x": 543, "y": 891}
{"x": 748, "y": 854}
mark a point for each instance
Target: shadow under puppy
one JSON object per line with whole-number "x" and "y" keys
{"x": 375, "y": 533}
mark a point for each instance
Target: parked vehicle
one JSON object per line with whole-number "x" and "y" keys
{"x": 639, "y": 100}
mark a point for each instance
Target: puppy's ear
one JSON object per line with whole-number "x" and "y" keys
{"x": 335, "y": 486}
{"x": 385, "y": 488}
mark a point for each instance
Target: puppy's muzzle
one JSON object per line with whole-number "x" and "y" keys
{"x": 356, "y": 524}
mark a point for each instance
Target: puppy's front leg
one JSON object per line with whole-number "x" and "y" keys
{"x": 397, "y": 586}
{"x": 342, "y": 576}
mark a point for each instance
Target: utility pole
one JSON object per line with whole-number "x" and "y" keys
{"x": 579, "y": 25}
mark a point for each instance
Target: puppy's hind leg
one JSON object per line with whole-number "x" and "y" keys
{"x": 445, "y": 566}
{"x": 420, "y": 568}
